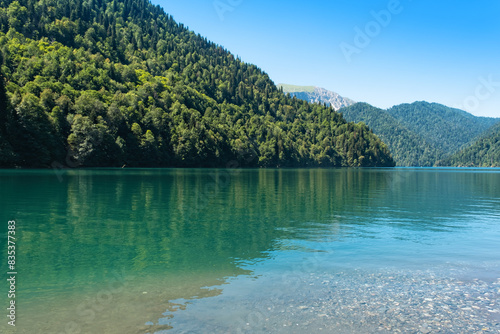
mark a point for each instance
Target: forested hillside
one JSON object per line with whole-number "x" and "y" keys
{"x": 112, "y": 83}
{"x": 421, "y": 133}
{"x": 448, "y": 129}
{"x": 407, "y": 147}
{"x": 485, "y": 152}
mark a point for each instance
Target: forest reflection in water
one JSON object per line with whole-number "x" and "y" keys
{"x": 109, "y": 250}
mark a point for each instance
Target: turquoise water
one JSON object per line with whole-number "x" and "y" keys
{"x": 227, "y": 251}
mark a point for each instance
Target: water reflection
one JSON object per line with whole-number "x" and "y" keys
{"x": 164, "y": 235}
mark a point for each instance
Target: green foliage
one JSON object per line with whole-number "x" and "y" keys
{"x": 7, "y": 156}
{"x": 446, "y": 128}
{"x": 420, "y": 134}
{"x": 407, "y": 147}
{"x": 485, "y": 152}
{"x": 119, "y": 82}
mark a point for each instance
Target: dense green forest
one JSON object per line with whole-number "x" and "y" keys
{"x": 407, "y": 148}
{"x": 119, "y": 82}
{"x": 421, "y": 134}
{"x": 485, "y": 152}
{"x": 448, "y": 129}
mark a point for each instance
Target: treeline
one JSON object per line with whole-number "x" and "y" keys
{"x": 448, "y": 129}
{"x": 407, "y": 147}
{"x": 112, "y": 83}
{"x": 485, "y": 152}
{"x": 422, "y": 134}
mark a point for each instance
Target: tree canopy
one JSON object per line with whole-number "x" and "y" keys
{"x": 421, "y": 134}
{"x": 448, "y": 129}
{"x": 119, "y": 82}
{"x": 485, "y": 152}
{"x": 407, "y": 147}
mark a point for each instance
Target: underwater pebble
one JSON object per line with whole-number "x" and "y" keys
{"x": 359, "y": 301}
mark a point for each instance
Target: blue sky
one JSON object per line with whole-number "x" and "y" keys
{"x": 380, "y": 52}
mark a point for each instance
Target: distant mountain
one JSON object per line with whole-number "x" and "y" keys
{"x": 418, "y": 134}
{"x": 485, "y": 152}
{"x": 407, "y": 147}
{"x": 422, "y": 133}
{"x": 317, "y": 95}
{"x": 448, "y": 129}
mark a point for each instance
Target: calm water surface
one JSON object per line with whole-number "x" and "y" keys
{"x": 237, "y": 251}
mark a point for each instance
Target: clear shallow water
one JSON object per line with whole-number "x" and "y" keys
{"x": 190, "y": 251}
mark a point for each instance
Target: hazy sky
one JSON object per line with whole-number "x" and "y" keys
{"x": 380, "y": 52}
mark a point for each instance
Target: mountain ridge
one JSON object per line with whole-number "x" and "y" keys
{"x": 485, "y": 152}
{"x": 316, "y": 94}
{"x": 430, "y": 120}
{"x": 408, "y": 148}
{"x": 418, "y": 133}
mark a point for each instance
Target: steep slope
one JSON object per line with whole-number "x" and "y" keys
{"x": 407, "y": 147}
{"x": 317, "y": 95}
{"x": 448, "y": 129}
{"x": 417, "y": 134}
{"x": 114, "y": 82}
{"x": 485, "y": 152}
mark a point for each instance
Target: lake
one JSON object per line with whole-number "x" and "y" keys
{"x": 253, "y": 250}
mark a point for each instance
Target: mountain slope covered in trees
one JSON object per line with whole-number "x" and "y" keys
{"x": 421, "y": 133}
{"x": 417, "y": 134}
{"x": 114, "y": 82}
{"x": 407, "y": 147}
{"x": 485, "y": 152}
{"x": 448, "y": 129}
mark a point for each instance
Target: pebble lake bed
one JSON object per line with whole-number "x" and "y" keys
{"x": 352, "y": 302}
